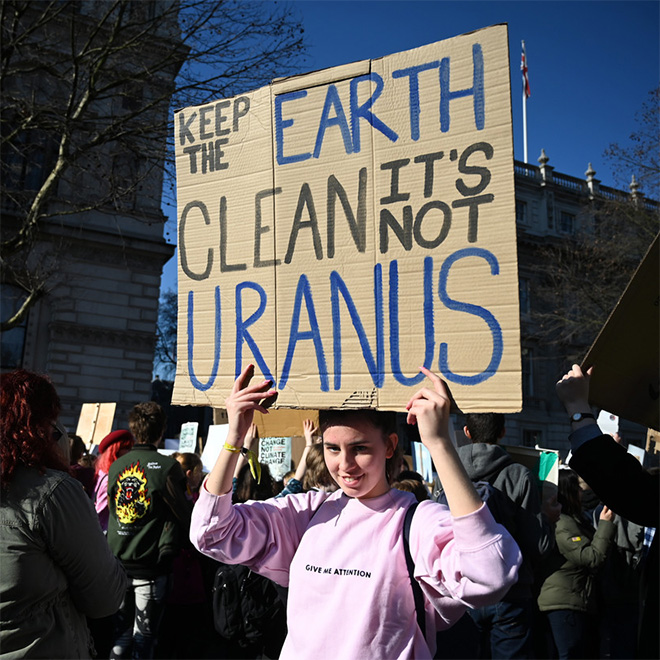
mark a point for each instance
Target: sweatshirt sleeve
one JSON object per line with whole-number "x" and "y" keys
{"x": 471, "y": 558}
{"x": 261, "y": 535}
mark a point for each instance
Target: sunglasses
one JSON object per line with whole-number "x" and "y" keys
{"x": 57, "y": 431}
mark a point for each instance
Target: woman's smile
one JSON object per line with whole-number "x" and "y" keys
{"x": 355, "y": 456}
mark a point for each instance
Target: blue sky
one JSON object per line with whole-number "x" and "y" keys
{"x": 591, "y": 63}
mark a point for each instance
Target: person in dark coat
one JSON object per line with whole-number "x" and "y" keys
{"x": 622, "y": 484}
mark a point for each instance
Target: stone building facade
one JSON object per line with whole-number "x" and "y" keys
{"x": 551, "y": 206}
{"x": 100, "y": 247}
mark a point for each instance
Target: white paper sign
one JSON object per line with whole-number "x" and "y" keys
{"x": 608, "y": 423}
{"x": 276, "y": 453}
{"x": 188, "y": 437}
{"x": 214, "y": 442}
{"x": 637, "y": 452}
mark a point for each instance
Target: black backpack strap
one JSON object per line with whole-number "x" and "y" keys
{"x": 417, "y": 590}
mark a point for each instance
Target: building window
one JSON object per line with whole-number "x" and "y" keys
{"x": 522, "y": 217}
{"x": 27, "y": 160}
{"x": 523, "y": 291}
{"x": 12, "y": 342}
{"x": 567, "y": 223}
{"x": 532, "y": 438}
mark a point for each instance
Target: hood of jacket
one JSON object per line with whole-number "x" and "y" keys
{"x": 483, "y": 462}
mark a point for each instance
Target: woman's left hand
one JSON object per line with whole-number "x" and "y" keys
{"x": 430, "y": 409}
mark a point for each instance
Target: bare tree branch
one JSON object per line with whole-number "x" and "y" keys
{"x": 85, "y": 84}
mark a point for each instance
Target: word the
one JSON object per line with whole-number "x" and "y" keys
{"x": 205, "y": 124}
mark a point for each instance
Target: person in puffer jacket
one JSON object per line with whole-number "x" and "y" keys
{"x": 567, "y": 594}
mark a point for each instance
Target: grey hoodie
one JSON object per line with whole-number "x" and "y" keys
{"x": 533, "y": 532}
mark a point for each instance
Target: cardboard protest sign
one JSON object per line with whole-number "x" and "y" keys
{"x": 341, "y": 228}
{"x": 95, "y": 422}
{"x": 284, "y": 423}
{"x": 626, "y": 353}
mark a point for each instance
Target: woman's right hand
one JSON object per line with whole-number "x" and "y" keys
{"x": 244, "y": 400}
{"x": 607, "y": 514}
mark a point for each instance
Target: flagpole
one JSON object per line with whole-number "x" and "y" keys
{"x": 524, "y": 100}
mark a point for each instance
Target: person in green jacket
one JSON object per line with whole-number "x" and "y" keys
{"x": 149, "y": 518}
{"x": 567, "y": 594}
{"x": 55, "y": 566}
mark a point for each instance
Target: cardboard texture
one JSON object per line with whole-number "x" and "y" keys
{"x": 341, "y": 228}
{"x": 284, "y": 423}
{"x": 626, "y": 353}
{"x": 95, "y": 422}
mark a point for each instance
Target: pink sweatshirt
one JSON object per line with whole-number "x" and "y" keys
{"x": 101, "y": 499}
{"x": 343, "y": 561}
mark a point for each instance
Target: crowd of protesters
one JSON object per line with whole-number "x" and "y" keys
{"x": 126, "y": 552}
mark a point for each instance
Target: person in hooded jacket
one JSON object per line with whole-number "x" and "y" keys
{"x": 622, "y": 484}
{"x": 506, "y": 627}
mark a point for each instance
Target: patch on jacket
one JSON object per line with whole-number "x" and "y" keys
{"x": 576, "y": 539}
{"x": 132, "y": 498}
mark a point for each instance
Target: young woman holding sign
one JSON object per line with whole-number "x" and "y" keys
{"x": 342, "y": 554}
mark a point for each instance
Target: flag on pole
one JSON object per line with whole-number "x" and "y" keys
{"x": 525, "y": 78}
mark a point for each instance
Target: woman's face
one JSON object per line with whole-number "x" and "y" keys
{"x": 356, "y": 455}
{"x": 195, "y": 477}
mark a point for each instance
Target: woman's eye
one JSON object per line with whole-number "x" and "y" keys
{"x": 361, "y": 448}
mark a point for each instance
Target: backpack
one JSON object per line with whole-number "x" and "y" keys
{"x": 247, "y": 608}
{"x": 501, "y": 506}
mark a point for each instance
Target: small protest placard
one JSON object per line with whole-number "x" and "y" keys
{"x": 95, "y": 422}
{"x": 188, "y": 437}
{"x": 276, "y": 453}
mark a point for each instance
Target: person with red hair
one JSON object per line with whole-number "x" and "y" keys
{"x": 56, "y": 565}
{"x": 113, "y": 446}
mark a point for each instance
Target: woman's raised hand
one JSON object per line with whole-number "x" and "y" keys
{"x": 244, "y": 399}
{"x": 430, "y": 408}
{"x": 309, "y": 430}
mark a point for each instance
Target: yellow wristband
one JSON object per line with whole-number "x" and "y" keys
{"x": 252, "y": 459}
